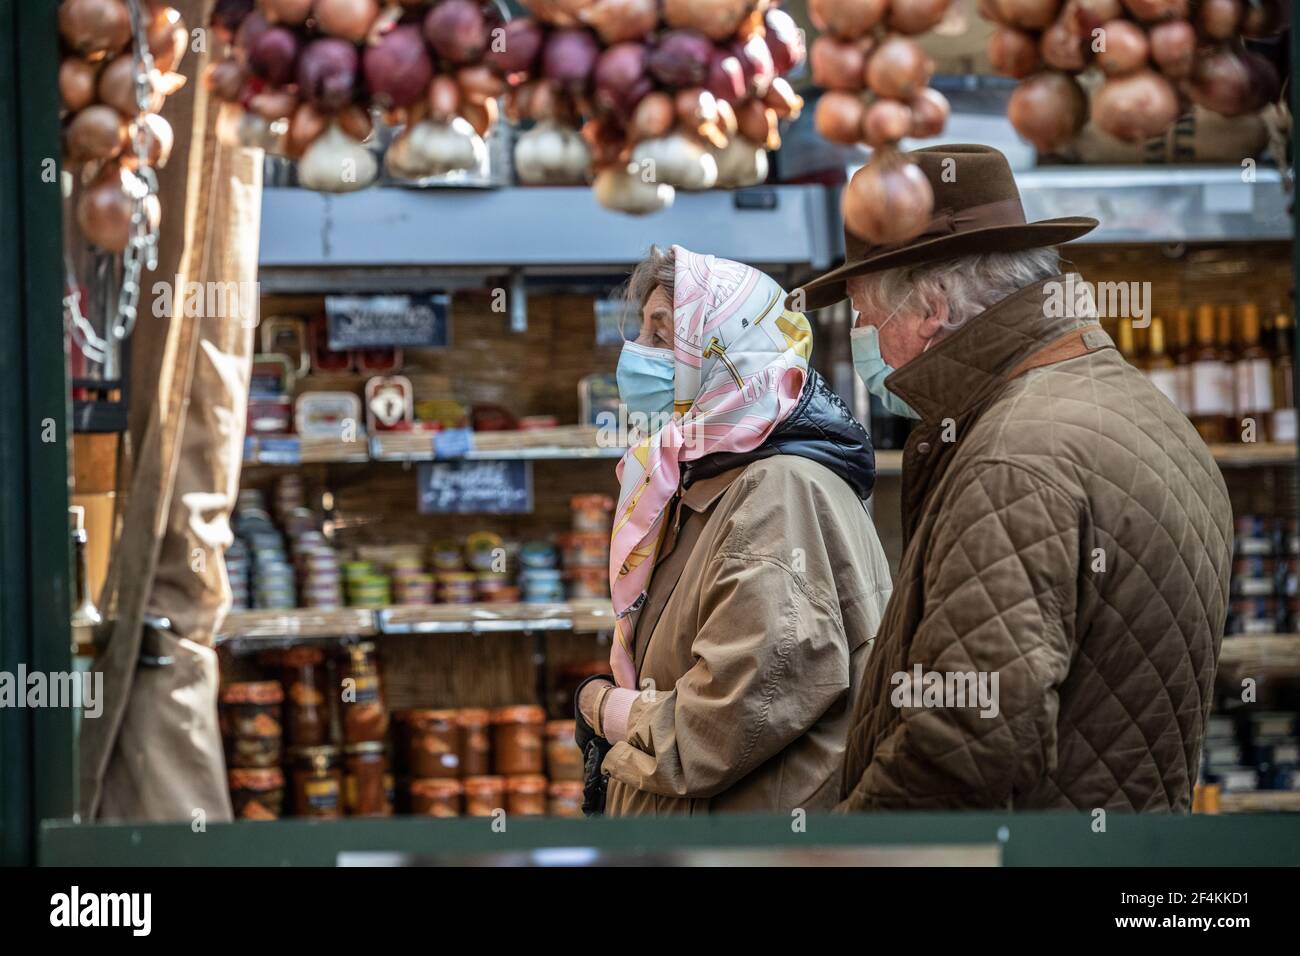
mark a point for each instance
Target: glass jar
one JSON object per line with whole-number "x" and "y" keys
{"x": 563, "y": 758}
{"x": 564, "y": 799}
{"x": 435, "y": 798}
{"x": 251, "y": 723}
{"x": 484, "y": 795}
{"x": 317, "y": 781}
{"x": 526, "y": 795}
{"x": 517, "y": 740}
{"x": 367, "y": 781}
{"x": 476, "y": 750}
{"x": 257, "y": 793}
{"x": 432, "y": 742}
{"x": 365, "y": 719}
{"x": 306, "y": 712}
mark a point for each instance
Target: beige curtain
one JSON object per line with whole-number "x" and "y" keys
{"x": 155, "y": 753}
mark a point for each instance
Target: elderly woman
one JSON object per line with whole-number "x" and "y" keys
{"x": 747, "y": 578}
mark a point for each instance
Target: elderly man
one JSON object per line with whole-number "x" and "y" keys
{"x": 1055, "y": 625}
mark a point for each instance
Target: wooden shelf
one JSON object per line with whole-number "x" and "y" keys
{"x": 1277, "y": 655}
{"x": 302, "y": 623}
{"x": 1261, "y": 801}
{"x": 290, "y": 450}
{"x": 1254, "y": 454}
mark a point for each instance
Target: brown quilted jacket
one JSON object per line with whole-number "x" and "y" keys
{"x": 1067, "y": 531}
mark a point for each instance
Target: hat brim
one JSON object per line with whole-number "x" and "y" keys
{"x": 829, "y": 288}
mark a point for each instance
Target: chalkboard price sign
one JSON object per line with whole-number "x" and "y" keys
{"x": 384, "y": 321}
{"x": 475, "y": 487}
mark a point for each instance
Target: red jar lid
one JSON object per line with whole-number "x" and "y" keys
{"x": 253, "y": 692}
{"x": 519, "y": 714}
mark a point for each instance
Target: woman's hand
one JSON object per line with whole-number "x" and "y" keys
{"x": 591, "y": 693}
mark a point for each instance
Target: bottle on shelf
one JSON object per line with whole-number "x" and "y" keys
{"x": 1209, "y": 371}
{"x": 1160, "y": 367}
{"x": 1179, "y": 346}
{"x": 1253, "y": 376}
{"x": 1225, "y": 335}
{"x": 1284, "y": 411}
{"x": 1124, "y": 341}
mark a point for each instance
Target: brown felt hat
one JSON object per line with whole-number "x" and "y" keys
{"x": 976, "y": 209}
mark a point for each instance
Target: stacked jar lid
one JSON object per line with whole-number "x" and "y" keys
{"x": 238, "y": 572}
{"x": 366, "y": 586}
{"x": 475, "y": 762}
{"x": 321, "y": 580}
{"x": 540, "y": 578}
{"x": 252, "y": 728}
{"x": 586, "y": 547}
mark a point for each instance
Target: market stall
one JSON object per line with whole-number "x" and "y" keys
{"x": 349, "y": 456}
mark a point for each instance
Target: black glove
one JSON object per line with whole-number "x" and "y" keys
{"x": 593, "y": 748}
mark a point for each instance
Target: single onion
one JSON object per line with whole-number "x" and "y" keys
{"x": 758, "y": 122}
{"x": 1062, "y": 45}
{"x": 355, "y": 121}
{"x": 521, "y": 43}
{"x": 653, "y": 117}
{"x": 274, "y": 103}
{"x": 289, "y": 12}
{"x": 569, "y": 57}
{"x": 95, "y": 27}
{"x": 457, "y": 31}
{"x": 782, "y": 98}
{"x": 716, "y": 19}
{"x": 117, "y": 86}
{"x": 681, "y": 58}
{"x": 1125, "y": 50}
{"x": 838, "y": 117}
{"x": 481, "y": 116}
{"x": 228, "y": 15}
{"x": 930, "y": 110}
{"x": 1088, "y": 15}
{"x": 756, "y": 62}
{"x": 249, "y": 29}
{"x": 104, "y": 211}
{"x": 327, "y": 72}
{"x": 1135, "y": 107}
{"x": 225, "y": 79}
{"x": 478, "y": 83}
{"x": 916, "y": 16}
{"x": 888, "y": 201}
{"x": 726, "y": 77}
{"x": 1026, "y": 14}
{"x": 443, "y": 99}
{"x": 784, "y": 39}
{"x": 1149, "y": 11}
{"x": 77, "y": 81}
{"x": 885, "y": 122}
{"x": 1048, "y": 109}
{"x": 346, "y": 19}
{"x": 1232, "y": 83}
{"x": 621, "y": 77}
{"x": 159, "y": 139}
{"x": 617, "y": 20}
{"x": 697, "y": 114}
{"x": 1013, "y": 52}
{"x": 1173, "y": 48}
{"x": 96, "y": 133}
{"x": 837, "y": 65}
{"x": 899, "y": 68}
{"x": 398, "y": 68}
{"x": 1219, "y": 19}
{"x": 847, "y": 19}
{"x": 167, "y": 37}
{"x": 306, "y": 126}
{"x": 273, "y": 54}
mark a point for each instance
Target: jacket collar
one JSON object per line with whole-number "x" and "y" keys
{"x": 701, "y": 495}
{"x": 959, "y": 372}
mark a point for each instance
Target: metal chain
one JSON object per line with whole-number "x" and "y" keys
{"x": 142, "y": 248}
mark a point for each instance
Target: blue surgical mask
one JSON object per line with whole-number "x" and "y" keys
{"x": 873, "y": 370}
{"x": 645, "y": 379}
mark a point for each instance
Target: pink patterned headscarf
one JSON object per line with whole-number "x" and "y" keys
{"x": 742, "y": 358}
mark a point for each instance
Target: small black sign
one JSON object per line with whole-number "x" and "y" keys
{"x": 417, "y": 321}
{"x": 475, "y": 487}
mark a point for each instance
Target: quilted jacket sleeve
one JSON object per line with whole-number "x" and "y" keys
{"x": 1000, "y": 584}
{"x": 770, "y": 659}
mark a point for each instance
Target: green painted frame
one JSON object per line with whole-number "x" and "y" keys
{"x": 36, "y": 746}
{"x": 1028, "y": 839}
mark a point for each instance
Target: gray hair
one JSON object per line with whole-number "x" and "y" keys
{"x": 971, "y": 284}
{"x": 656, "y": 270}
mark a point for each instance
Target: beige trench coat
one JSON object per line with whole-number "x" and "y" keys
{"x": 769, "y": 588}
